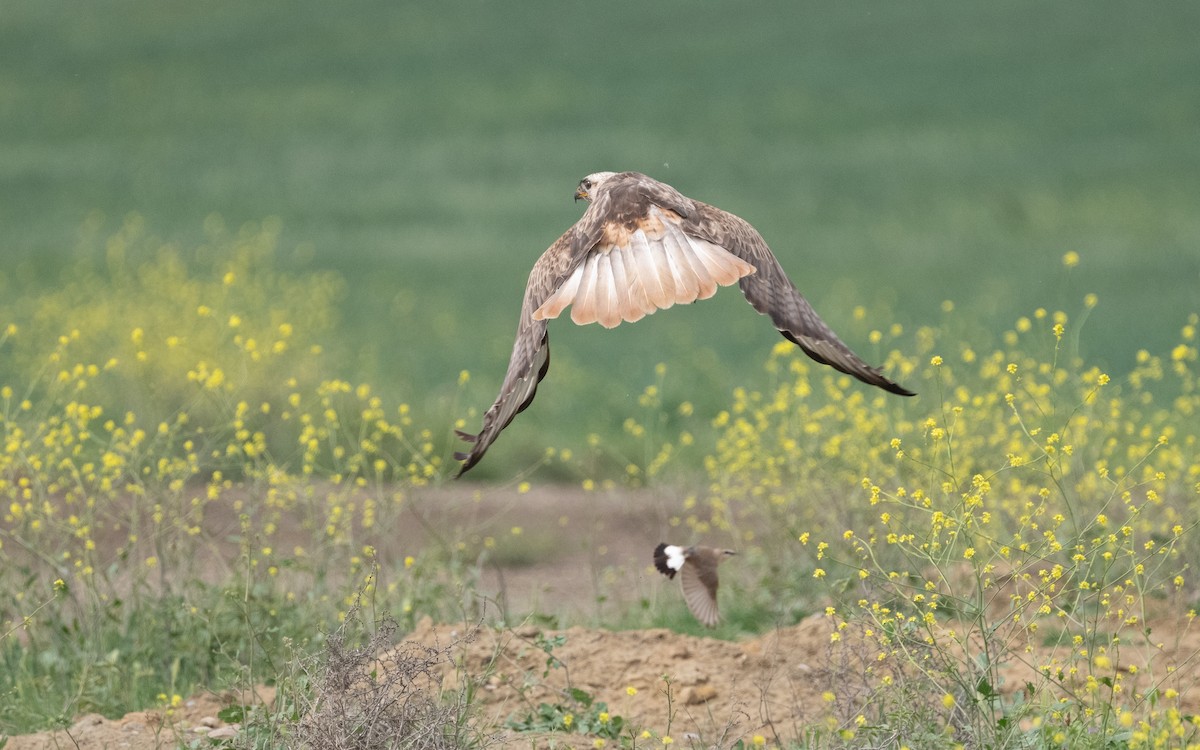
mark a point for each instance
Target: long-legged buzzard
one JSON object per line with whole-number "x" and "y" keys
{"x": 642, "y": 246}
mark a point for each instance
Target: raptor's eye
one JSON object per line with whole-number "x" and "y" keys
{"x": 586, "y": 183}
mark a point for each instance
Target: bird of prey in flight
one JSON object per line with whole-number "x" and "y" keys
{"x": 642, "y": 246}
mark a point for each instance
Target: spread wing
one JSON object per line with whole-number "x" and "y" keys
{"x": 772, "y": 293}
{"x": 530, "y": 359}
{"x": 700, "y": 592}
{"x": 642, "y": 246}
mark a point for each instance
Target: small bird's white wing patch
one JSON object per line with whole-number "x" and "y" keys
{"x": 701, "y": 601}
{"x": 676, "y": 556}
{"x": 616, "y": 283}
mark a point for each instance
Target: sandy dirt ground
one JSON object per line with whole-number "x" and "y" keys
{"x": 576, "y": 550}
{"x": 715, "y": 692}
{"x": 719, "y": 690}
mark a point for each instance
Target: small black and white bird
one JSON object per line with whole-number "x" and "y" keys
{"x": 642, "y": 246}
{"x": 697, "y": 568}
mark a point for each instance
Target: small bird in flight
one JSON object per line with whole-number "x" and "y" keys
{"x": 642, "y": 246}
{"x": 697, "y": 569}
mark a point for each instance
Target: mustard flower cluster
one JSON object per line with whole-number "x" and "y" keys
{"x": 1026, "y": 509}
{"x": 167, "y": 417}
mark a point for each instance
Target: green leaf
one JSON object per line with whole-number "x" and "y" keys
{"x": 985, "y": 689}
{"x": 582, "y": 697}
{"x": 233, "y": 714}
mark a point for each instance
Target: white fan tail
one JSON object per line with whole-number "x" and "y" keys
{"x": 558, "y": 301}
{"x": 635, "y": 304}
{"x": 625, "y": 283}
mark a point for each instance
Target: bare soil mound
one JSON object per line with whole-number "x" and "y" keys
{"x": 679, "y": 685}
{"x": 686, "y": 686}
{"x": 193, "y": 719}
{"x": 700, "y": 691}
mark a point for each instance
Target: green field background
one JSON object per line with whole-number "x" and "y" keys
{"x": 894, "y": 155}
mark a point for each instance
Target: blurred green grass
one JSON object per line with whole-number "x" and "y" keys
{"x": 893, "y": 156}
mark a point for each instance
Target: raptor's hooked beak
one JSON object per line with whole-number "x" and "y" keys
{"x": 580, "y": 193}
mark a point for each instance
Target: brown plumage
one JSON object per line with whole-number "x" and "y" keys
{"x": 697, "y": 568}
{"x": 642, "y": 246}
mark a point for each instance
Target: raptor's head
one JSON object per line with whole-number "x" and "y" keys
{"x": 588, "y": 185}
